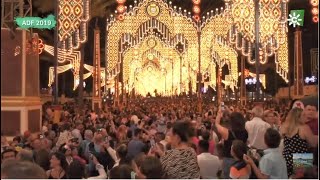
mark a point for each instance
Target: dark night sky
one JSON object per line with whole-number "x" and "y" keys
{"x": 309, "y": 37}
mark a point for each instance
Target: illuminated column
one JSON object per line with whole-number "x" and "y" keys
{"x": 298, "y": 64}
{"x": 96, "y": 95}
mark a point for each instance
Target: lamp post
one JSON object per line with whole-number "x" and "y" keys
{"x": 257, "y": 60}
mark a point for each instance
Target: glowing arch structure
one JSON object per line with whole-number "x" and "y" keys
{"x": 170, "y": 25}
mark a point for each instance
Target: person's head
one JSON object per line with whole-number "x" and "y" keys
{"x": 237, "y": 121}
{"x": 159, "y": 136}
{"x": 98, "y": 137}
{"x": 269, "y": 117}
{"x": 12, "y": 169}
{"x": 181, "y": 132}
{"x": 76, "y": 170}
{"x": 25, "y": 155}
{"x": 88, "y": 134}
{"x": 58, "y": 160}
{"x": 17, "y": 139}
{"x": 122, "y": 151}
{"x": 257, "y": 111}
{"x": 151, "y": 168}
{"x": 65, "y": 149}
{"x": 308, "y": 112}
{"x": 238, "y": 149}
{"x": 205, "y": 135}
{"x": 65, "y": 127}
{"x": 121, "y": 172}
{"x": 138, "y": 159}
{"x": 8, "y": 154}
{"x": 272, "y": 138}
{"x": 138, "y": 133}
{"x": 203, "y": 146}
{"x": 79, "y": 126}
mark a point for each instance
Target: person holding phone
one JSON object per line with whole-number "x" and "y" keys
{"x": 235, "y": 131}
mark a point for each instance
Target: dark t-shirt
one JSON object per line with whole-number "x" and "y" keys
{"x": 239, "y": 135}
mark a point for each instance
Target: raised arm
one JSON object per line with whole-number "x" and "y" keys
{"x": 221, "y": 130}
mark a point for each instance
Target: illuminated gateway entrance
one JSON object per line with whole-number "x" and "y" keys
{"x": 157, "y": 47}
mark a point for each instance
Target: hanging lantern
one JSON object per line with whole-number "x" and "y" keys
{"x": 314, "y": 10}
{"x": 196, "y": 9}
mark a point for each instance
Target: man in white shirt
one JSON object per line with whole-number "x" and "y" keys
{"x": 209, "y": 164}
{"x": 256, "y": 129}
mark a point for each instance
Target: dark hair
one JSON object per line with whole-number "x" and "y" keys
{"x": 8, "y": 150}
{"x": 239, "y": 148}
{"x": 162, "y": 135}
{"x": 63, "y": 148}
{"x": 205, "y": 135}
{"x": 121, "y": 172}
{"x": 65, "y": 127}
{"x": 137, "y": 132}
{"x": 76, "y": 170}
{"x": 129, "y": 134}
{"x": 138, "y": 159}
{"x": 13, "y": 169}
{"x": 17, "y": 138}
{"x": 62, "y": 158}
{"x": 122, "y": 151}
{"x": 152, "y": 168}
{"x": 272, "y": 138}
{"x": 204, "y": 145}
{"x": 169, "y": 125}
{"x": 237, "y": 121}
{"x": 42, "y": 159}
{"x": 183, "y": 129}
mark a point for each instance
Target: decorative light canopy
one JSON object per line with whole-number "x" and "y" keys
{"x": 73, "y": 16}
{"x": 272, "y": 30}
{"x": 170, "y": 27}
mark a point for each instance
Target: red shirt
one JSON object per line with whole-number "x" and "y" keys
{"x": 211, "y": 147}
{"x": 313, "y": 124}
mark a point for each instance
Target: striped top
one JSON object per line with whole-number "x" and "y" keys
{"x": 180, "y": 164}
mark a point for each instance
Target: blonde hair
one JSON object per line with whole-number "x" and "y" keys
{"x": 293, "y": 120}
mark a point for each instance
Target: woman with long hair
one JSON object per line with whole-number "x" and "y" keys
{"x": 181, "y": 161}
{"x": 58, "y": 166}
{"x": 236, "y": 130}
{"x": 298, "y": 137}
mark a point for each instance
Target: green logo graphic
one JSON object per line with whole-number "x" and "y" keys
{"x": 36, "y": 22}
{"x": 296, "y": 18}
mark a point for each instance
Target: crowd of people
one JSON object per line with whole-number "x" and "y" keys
{"x": 157, "y": 138}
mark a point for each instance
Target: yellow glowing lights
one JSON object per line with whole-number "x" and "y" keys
{"x": 315, "y": 10}
{"x": 72, "y": 23}
{"x": 273, "y": 28}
